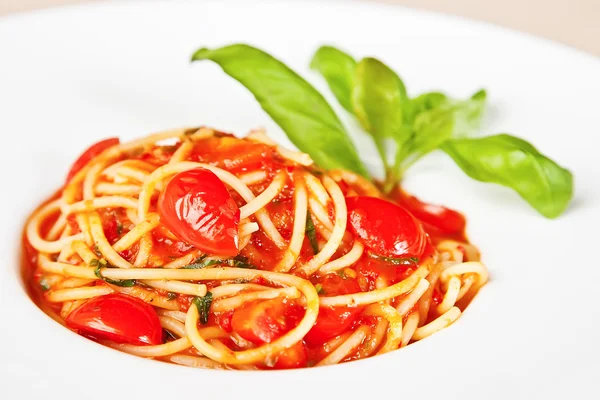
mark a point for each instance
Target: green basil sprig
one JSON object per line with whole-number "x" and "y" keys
{"x": 404, "y": 129}
{"x": 433, "y": 121}
{"x": 236, "y": 262}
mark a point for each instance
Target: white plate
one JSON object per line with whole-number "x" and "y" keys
{"x": 71, "y": 76}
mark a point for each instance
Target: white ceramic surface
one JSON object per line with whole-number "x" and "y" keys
{"x": 71, "y": 76}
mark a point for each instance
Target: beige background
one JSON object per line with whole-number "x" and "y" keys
{"x": 573, "y": 22}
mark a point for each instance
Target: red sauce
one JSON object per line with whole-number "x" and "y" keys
{"x": 237, "y": 156}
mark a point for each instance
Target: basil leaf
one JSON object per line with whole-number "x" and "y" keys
{"x": 201, "y": 262}
{"x": 428, "y": 101}
{"x": 116, "y": 282}
{"x": 380, "y": 102}
{"x": 514, "y": 163}
{"x": 438, "y": 118}
{"x": 468, "y": 114}
{"x": 396, "y": 260}
{"x": 319, "y": 288}
{"x": 431, "y": 128}
{"x": 237, "y": 262}
{"x": 338, "y": 69}
{"x": 299, "y": 109}
{"x": 44, "y": 284}
{"x": 383, "y": 109}
{"x": 203, "y": 305}
{"x": 311, "y": 233}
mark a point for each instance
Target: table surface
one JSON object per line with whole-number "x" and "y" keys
{"x": 573, "y": 22}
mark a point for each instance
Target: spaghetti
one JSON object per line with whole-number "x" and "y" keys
{"x": 196, "y": 247}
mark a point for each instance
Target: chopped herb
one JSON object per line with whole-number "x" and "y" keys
{"x": 342, "y": 274}
{"x": 203, "y": 306}
{"x": 240, "y": 262}
{"x": 201, "y": 262}
{"x": 119, "y": 228}
{"x": 240, "y": 280}
{"x": 319, "y": 288}
{"x": 237, "y": 262}
{"x": 396, "y": 260}
{"x": 44, "y": 284}
{"x": 99, "y": 264}
{"x": 171, "y": 296}
{"x": 310, "y": 232}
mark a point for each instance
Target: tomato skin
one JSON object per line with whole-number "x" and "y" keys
{"x": 263, "y": 321}
{"x": 332, "y": 321}
{"x": 234, "y": 155}
{"x": 446, "y": 220}
{"x": 197, "y": 208}
{"x": 293, "y": 357}
{"x": 89, "y": 154}
{"x": 119, "y": 318}
{"x": 224, "y": 320}
{"x": 385, "y": 228}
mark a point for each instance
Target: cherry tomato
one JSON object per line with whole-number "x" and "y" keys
{"x": 263, "y": 321}
{"x": 89, "y": 154}
{"x": 333, "y": 321}
{"x": 293, "y": 357}
{"x": 199, "y": 210}
{"x": 234, "y": 155}
{"x": 117, "y": 317}
{"x": 447, "y": 221}
{"x": 385, "y": 228}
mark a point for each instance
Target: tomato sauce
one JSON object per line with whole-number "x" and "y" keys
{"x": 263, "y": 321}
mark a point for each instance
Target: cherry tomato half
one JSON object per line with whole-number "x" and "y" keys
{"x": 199, "y": 210}
{"x": 117, "y": 317}
{"x": 89, "y": 154}
{"x": 446, "y": 220}
{"x": 385, "y": 228}
{"x": 333, "y": 321}
{"x": 263, "y": 321}
{"x": 293, "y": 357}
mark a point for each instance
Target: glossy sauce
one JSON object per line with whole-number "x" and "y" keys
{"x": 237, "y": 156}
